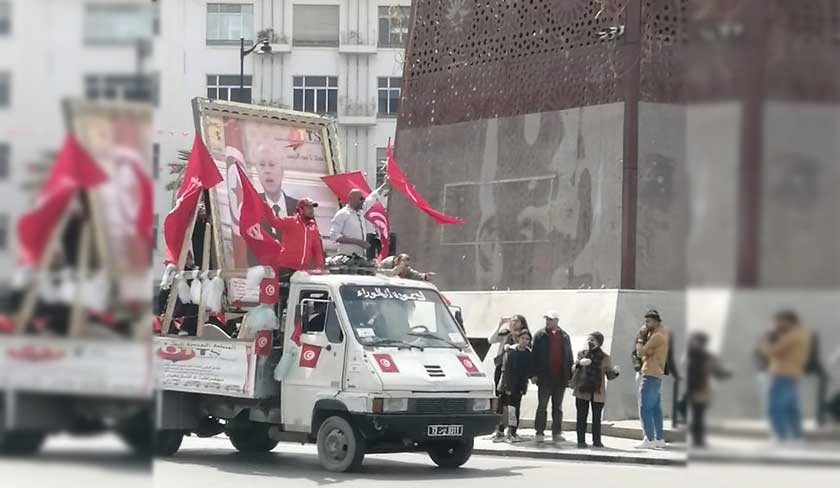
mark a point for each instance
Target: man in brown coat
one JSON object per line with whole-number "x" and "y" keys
{"x": 652, "y": 348}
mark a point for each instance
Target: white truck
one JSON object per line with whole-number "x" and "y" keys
{"x": 379, "y": 365}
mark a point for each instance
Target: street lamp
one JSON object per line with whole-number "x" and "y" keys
{"x": 264, "y": 48}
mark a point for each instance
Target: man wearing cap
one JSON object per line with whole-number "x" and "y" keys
{"x": 552, "y": 357}
{"x": 302, "y": 247}
{"x": 652, "y": 346}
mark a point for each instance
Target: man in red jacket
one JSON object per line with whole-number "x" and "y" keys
{"x": 302, "y": 247}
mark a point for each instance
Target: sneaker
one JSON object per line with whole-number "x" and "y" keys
{"x": 498, "y": 437}
{"x": 646, "y": 444}
{"x": 557, "y": 438}
{"x": 660, "y": 444}
{"x": 539, "y": 438}
{"x": 513, "y": 438}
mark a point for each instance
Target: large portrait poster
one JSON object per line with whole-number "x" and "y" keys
{"x": 119, "y": 137}
{"x": 284, "y": 160}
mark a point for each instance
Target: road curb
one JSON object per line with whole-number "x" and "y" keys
{"x": 729, "y": 458}
{"x": 572, "y": 456}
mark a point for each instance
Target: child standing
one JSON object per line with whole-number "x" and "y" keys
{"x": 517, "y": 366}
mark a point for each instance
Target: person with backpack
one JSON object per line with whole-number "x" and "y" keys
{"x": 652, "y": 346}
{"x": 505, "y": 334}
{"x": 787, "y": 351}
{"x": 589, "y": 386}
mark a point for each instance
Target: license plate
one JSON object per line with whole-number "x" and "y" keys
{"x": 445, "y": 430}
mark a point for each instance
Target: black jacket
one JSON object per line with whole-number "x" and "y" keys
{"x": 540, "y": 358}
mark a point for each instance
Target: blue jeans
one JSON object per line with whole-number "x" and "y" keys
{"x": 650, "y": 407}
{"x": 783, "y": 408}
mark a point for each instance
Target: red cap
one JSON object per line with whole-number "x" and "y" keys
{"x": 305, "y": 202}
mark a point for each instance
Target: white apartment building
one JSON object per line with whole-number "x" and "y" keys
{"x": 339, "y": 57}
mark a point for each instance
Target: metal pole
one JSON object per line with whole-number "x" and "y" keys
{"x": 241, "y": 68}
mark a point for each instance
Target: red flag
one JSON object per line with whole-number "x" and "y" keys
{"x": 342, "y": 183}
{"x": 254, "y": 210}
{"x": 401, "y": 183}
{"x": 376, "y": 214}
{"x": 73, "y": 169}
{"x": 309, "y": 356}
{"x": 201, "y": 173}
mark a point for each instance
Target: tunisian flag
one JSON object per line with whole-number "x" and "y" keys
{"x": 342, "y": 183}
{"x": 201, "y": 173}
{"x": 73, "y": 169}
{"x": 254, "y": 209}
{"x": 401, "y": 183}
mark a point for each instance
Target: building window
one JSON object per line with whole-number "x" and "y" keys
{"x": 315, "y": 25}
{"x": 128, "y": 88}
{"x": 4, "y": 232}
{"x": 393, "y": 26}
{"x": 155, "y": 161}
{"x": 5, "y": 89}
{"x": 389, "y": 96}
{"x": 381, "y": 162}
{"x": 228, "y": 22}
{"x": 317, "y": 94}
{"x": 122, "y": 23}
{"x": 5, "y": 18}
{"x": 226, "y": 87}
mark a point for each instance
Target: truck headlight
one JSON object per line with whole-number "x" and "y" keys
{"x": 394, "y": 405}
{"x": 481, "y": 404}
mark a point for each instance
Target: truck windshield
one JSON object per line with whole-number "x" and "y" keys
{"x": 390, "y": 315}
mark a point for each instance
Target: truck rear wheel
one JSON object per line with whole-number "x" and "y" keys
{"x": 21, "y": 442}
{"x": 167, "y": 442}
{"x": 451, "y": 455}
{"x": 340, "y": 447}
{"x": 251, "y": 437}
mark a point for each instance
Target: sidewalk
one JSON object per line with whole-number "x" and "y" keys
{"x": 617, "y": 450}
{"x": 749, "y": 450}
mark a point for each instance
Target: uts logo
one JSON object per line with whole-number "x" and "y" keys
{"x": 175, "y": 353}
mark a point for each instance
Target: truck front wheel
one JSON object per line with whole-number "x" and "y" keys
{"x": 340, "y": 447}
{"x": 21, "y": 442}
{"x": 251, "y": 437}
{"x": 451, "y": 455}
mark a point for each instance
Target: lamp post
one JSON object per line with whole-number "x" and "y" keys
{"x": 264, "y": 47}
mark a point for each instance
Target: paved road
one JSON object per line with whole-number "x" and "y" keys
{"x": 212, "y": 463}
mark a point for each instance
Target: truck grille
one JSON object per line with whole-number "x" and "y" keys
{"x": 441, "y": 405}
{"x": 434, "y": 371}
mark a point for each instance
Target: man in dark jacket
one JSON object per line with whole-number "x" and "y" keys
{"x": 552, "y": 359}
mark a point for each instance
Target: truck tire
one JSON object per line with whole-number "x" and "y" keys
{"x": 340, "y": 447}
{"x": 138, "y": 433}
{"x": 167, "y": 442}
{"x": 451, "y": 455}
{"x": 21, "y": 442}
{"x": 251, "y": 437}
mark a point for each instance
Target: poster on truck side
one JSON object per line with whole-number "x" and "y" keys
{"x": 91, "y": 367}
{"x": 216, "y": 367}
{"x": 284, "y": 154}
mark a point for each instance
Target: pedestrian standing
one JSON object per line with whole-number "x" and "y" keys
{"x": 652, "y": 349}
{"x": 506, "y": 334}
{"x": 513, "y": 383}
{"x": 787, "y": 351}
{"x": 589, "y": 385}
{"x": 348, "y": 229}
{"x": 553, "y": 360}
{"x": 701, "y": 367}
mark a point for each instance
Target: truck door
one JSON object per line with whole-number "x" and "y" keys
{"x": 319, "y": 370}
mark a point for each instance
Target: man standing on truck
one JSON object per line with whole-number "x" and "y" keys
{"x": 348, "y": 226}
{"x": 302, "y": 247}
{"x": 553, "y": 366}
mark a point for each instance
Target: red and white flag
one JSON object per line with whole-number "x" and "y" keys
{"x": 309, "y": 355}
{"x": 266, "y": 250}
{"x": 399, "y": 181}
{"x": 377, "y": 215}
{"x": 73, "y": 169}
{"x": 342, "y": 183}
{"x": 200, "y": 174}
{"x": 386, "y": 363}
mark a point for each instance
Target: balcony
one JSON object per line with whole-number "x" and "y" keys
{"x": 356, "y": 113}
{"x": 354, "y": 43}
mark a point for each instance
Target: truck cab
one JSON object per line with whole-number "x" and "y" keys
{"x": 366, "y": 364}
